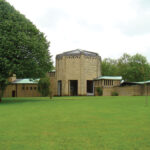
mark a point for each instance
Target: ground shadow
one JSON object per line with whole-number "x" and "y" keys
{"x": 18, "y": 101}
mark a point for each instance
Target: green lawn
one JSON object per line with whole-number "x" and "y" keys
{"x": 75, "y": 123}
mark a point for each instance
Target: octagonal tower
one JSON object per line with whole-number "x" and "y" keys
{"x": 75, "y": 71}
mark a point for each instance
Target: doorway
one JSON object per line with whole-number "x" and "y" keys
{"x": 59, "y": 88}
{"x": 90, "y": 90}
{"x": 73, "y": 87}
{"x": 13, "y": 93}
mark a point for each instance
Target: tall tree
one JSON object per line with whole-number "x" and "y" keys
{"x": 131, "y": 68}
{"x": 109, "y": 67}
{"x": 124, "y": 66}
{"x": 139, "y": 68}
{"x": 23, "y": 48}
{"x": 44, "y": 86}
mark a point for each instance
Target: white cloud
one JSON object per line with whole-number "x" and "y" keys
{"x": 108, "y": 27}
{"x": 139, "y": 24}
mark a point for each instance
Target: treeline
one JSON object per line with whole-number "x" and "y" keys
{"x": 131, "y": 68}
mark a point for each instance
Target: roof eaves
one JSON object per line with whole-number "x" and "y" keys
{"x": 25, "y": 81}
{"x": 109, "y": 78}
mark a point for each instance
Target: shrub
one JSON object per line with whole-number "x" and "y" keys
{"x": 44, "y": 86}
{"x": 99, "y": 91}
{"x": 114, "y": 94}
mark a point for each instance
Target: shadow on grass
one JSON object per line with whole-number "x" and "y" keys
{"x": 18, "y": 101}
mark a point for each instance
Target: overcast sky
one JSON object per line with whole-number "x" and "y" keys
{"x": 108, "y": 27}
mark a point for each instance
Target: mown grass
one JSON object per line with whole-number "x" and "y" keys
{"x": 75, "y": 123}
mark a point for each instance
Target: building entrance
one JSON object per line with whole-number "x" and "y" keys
{"x": 73, "y": 87}
{"x": 13, "y": 93}
{"x": 59, "y": 88}
{"x": 90, "y": 87}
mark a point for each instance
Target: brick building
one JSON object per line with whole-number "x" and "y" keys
{"x": 78, "y": 72}
{"x": 74, "y": 74}
{"x": 21, "y": 88}
{"x": 75, "y": 71}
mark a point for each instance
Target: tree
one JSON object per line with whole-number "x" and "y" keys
{"x": 3, "y": 84}
{"x": 131, "y": 68}
{"x": 124, "y": 66}
{"x": 139, "y": 68}
{"x": 44, "y": 86}
{"x": 109, "y": 67}
{"x": 134, "y": 68}
{"x": 23, "y": 48}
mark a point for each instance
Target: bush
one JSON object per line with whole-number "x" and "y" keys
{"x": 114, "y": 94}
{"x": 99, "y": 91}
{"x": 44, "y": 86}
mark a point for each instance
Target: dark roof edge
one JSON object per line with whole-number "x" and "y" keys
{"x": 78, "y": 53}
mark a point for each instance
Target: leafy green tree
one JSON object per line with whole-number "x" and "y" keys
{"x": 131, "y": 68}
{"x": 44, "y": 86}
{"x": 3, "y": 84}
{"x": 23, "y": 48}
{"x": 124, "y": 66}
{"x": 134, "y": 68}
{"x": 139, "y": 68}
{"x": 109, "y": 67}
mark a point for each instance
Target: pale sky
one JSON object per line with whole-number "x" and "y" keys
{"x": 108, "y": 27}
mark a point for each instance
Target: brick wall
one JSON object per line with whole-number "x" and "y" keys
{"x": 80, "y": 68}
{"x": 22, "y": 90}
{"x": 134, "y": 90}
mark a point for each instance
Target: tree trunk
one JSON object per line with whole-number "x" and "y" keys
{"x": 50, "y": 94}
{"x": 1, "y": 95}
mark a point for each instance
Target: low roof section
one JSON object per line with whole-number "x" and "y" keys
{"x": 109, "y": 78}
{"x": 135, "y": 83}
{"x": 26, "y": 81}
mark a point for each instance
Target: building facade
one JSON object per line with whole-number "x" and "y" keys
{"x": 115, "y": 84}
{"x": 78, "y": 72}
{"x": 75, "y": 71}
{"x": 107, "y": 81}
{"x": 22, "y": 88}
{"x": 74, "y": 74}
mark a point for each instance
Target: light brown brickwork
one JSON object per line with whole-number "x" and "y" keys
{"x": 78, "y": 67}
{"x": 106, "y": 83}
{"x": 21, "y": 90}
{"x": 133, "y": 90}
{"x": 74, "y": 69}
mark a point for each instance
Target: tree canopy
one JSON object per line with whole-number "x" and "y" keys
{"x": 23, "y": 48}
{"x": 109, "y": 67}
{"x": 44, "y": 86}
{"x": 131, "y": 68}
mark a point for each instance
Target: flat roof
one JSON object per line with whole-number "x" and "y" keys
{"x": 26, "y": 81}
{"x": 143, "y": 82}
{"x": 109, "y": 78}
{"x": 136, "y": 83}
